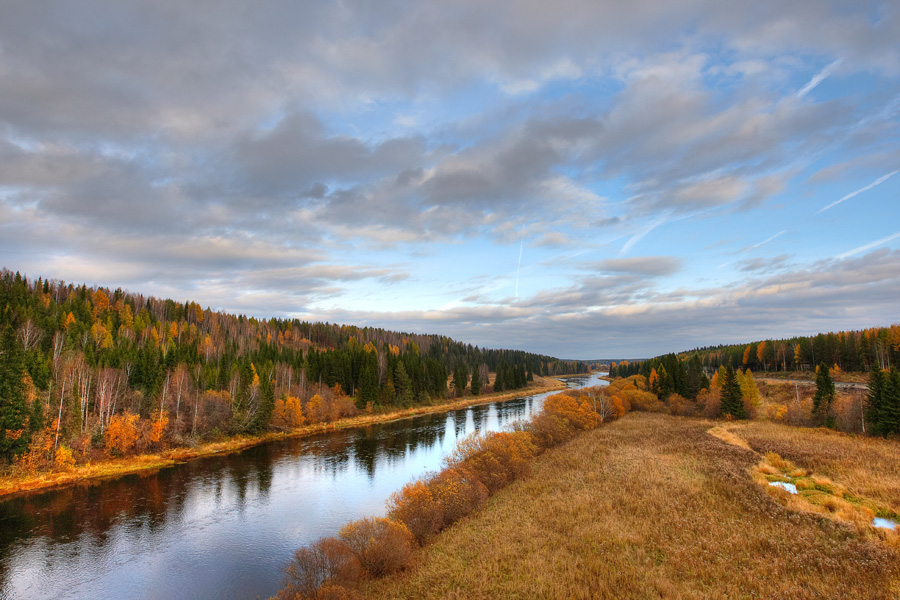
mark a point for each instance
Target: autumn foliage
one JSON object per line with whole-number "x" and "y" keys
{"x": 122, "y": 434}
{"x": 480, "y": 466}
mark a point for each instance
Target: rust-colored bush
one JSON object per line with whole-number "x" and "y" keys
{"x": 325, "y": 563}
{"x": 414, "y": 505}
{"x": 458, "y": 493}
{"x": 549, "y": 430}
{"x": 122, "y": 434}
{"x": 438, "y": 500}
{"x": 681, "y": 406}
{"x": 579, "y": 413}
{"x": 382, "y": 546}
{"x": 496, "y": 459}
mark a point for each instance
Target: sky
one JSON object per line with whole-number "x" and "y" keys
{"x": 576, "y": 178}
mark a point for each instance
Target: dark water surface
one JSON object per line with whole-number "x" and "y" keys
{"x": 223, "y": 527}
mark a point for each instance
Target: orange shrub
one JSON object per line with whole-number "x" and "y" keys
{"x": 681, "y": 406}
{"x": 326, "y": 563}
{"x": 414, "y": 505}
{"x": 579, "y": 413}
{"x": 642, "y": 400}
{"x": 495, "y": 459}
{"x": 428, "y": 505}
{"x": 458, "y": 492}
{"x": 382, "y": 546}
{"x": 549, "y": 430}
{"x": 64, "y": 459}
{"x": 288, "y": 412}
{"x": 314, "y": 410}
{"x": 158, "y": 428}
{"x": 122, "y": 434}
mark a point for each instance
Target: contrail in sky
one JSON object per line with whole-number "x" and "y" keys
{"x": 818, "y": 78}
{"x": 869, "y": 246}
{"x": 519, "y": 266}
{"x": 878, "y": 181}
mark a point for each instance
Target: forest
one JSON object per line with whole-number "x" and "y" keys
{"x": 87, "y": 371}
{"x": 682, "y": 383}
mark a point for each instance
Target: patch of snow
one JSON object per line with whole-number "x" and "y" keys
{"x": 884, "y": 523}
{"x": 790, "y": 487}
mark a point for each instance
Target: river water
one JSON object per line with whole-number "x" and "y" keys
{"x": 225, "y": 526}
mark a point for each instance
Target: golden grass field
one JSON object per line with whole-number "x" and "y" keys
{"x": 653, "y": 506}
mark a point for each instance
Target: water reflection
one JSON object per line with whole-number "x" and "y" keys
{"x": 222, "y": 527}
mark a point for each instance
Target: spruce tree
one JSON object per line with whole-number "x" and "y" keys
{"x": 263, "y": 416}
{"x": 824, "y": 397}
{"x": 732, "y": 398}
{"x": 14, "y": 433}
{"x": 874, "y": 401}
{"x": 475, "y": 382}
{"x": 460, "y": 377}
{"x": 890, "y": 406}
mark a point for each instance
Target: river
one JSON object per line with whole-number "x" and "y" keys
{"x": 224, "y": 526}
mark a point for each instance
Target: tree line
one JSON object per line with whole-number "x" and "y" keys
{"x": 86, "y": 368}
{"x": 859, "y": 350}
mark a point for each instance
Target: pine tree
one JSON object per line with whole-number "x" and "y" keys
{"x": 890, "y": 406}
{"x": 14, "y": 434}
{"x": 403, "y": 385}
{"x": 263, "y": 416}
{"x": 732, "y": 398}
{"x": 460, "y": 377}
{"x": 824, "y": 397}
{"x": 368, "y": 384}
{"x": 475, "y": 383}
{"x": 875, "y": 400}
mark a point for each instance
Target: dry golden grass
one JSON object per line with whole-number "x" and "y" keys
{"x": 867, "y": 467}
{"x": 647, "y": 507}
{"x": 22, "y": 481}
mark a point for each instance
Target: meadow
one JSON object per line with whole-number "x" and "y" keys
{"x": 653, "y": 506}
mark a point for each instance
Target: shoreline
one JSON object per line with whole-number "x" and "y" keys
{"x": 13, "y": 486}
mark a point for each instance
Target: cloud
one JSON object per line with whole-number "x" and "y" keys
{"x": 653, "y": 266}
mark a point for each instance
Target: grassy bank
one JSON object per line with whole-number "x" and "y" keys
{"x": 22, "y": 482}
{"x": 652, "y": 506}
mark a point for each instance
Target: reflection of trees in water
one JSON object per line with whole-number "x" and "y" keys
{"x": 137, "y": 504}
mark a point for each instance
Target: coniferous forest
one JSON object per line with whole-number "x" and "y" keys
{"x": 96, "y": 370}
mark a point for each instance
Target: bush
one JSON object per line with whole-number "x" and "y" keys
{"x": 580, "y": 414}
{"x": 428, "y": 505}
{"x": 382, "y": 546}
{"x": 64, "y": 459}
{"x": 549, "y": 430}
{"x": 414, "y": 505}
{"x": 324, "y": 564}
{"x": 496, "y": 459}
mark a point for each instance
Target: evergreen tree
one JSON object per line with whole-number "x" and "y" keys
{"x": 696, "y": 378}
{"x": 475, "y": 382}
{"x": 875, "y": 400}
{"x": 403, "y": 385}
{"x": 890, "y": 407}
{"x": 824, "y": 398}
{"x": 14, "y": 434}
{"x": 460, "y": 377}
{"x": 368, "y": 384}
{"x": 263, "y": 416}
{"x": 732, "y": 398}
{"x": 498, "y": 377}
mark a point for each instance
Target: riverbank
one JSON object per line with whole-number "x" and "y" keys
{"x": 653, "y": 506}
{"x": 117, "y": 467}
